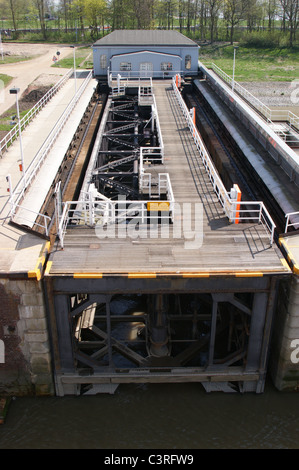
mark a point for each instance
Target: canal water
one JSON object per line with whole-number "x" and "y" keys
{"x": 169, "y": 417}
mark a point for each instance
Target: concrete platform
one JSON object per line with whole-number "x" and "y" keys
{"x": 37, "y": 192}
{"x": 290, "y": 245}
{"x": 222, "y": 248}
{"x": 21, "y": 253}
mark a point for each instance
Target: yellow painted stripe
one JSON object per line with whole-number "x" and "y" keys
{"x": 48, "y": 267}
{"x": 249, "y": 274}
{"x": 296, "y": 269}
{"x": 87, "y": 276}
{"x": 36, "y": 274}
{"x": 141, "y": 275}
{"x": 285, "y": 264}
{"x": 292, "y": 259}
{"x": 40, "y": 261}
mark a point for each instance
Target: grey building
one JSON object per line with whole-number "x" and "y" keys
{"x": 145, "y": 53}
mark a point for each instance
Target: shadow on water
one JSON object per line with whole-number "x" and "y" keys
{"x": 176, "y": 416}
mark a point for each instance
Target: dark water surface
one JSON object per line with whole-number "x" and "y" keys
{"x": 176, "y": 416}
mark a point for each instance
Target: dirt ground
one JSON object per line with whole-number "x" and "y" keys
{"x": 33, "y": 93}
{"x": 24, "y": 50}
{"x": 35, "y": 76}
{"x": 276, "y": 94}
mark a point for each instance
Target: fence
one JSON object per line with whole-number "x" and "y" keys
{"x": 288, "y": 224}
{"x": 269, "y": 114}
{"x": 95, "y": 209}
{"x": 36, "y": 163}
{"x": 14, "y": 132}
{"x": 233, "y": 209}
{"x": 99, "y": 213}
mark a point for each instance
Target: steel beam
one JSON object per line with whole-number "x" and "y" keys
{"x": 64, "y": 334}
{"x": 118, "y": 284}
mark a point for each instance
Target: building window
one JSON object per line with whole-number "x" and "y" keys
{"x": 166, "y": 66}
{"x": 188, "y": 62}
{"x": 103, "y": 61}
{"x": 125, "y": 66}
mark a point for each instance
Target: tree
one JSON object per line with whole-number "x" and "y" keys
{"x": 15, "y": 8}
{"x": 271, "y": 11}
{"x": 40, "y": 5}
{"x": 291, "y": 14}
{"x": 95, "y": 12}
{"x": 77, "y": 9}
{"x": 213, "y": 8}
{"x": 253, "y": 13}
{"x": 234, "y": 12}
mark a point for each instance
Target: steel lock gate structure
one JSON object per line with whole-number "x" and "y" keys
{"x": 128, "y": 300}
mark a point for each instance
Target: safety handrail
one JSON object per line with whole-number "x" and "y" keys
{"x": 46, "y": 219}
{"x": 35, "y": 165}
{"x": 287, "y": 225}
{"x": 229, "y": 205}
{"x": 269, "y": 114}
{"x": 99, "y": 212}
{"x": 14, "y": 132}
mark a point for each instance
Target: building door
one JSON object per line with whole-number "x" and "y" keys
{"x": 146, "y": 69}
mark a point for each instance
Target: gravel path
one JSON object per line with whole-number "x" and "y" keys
{"x": 28, "y": 72}
{"x": 276, "y": 94}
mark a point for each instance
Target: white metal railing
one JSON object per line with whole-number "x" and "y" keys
{"x": 145, "y": 95}
{"x": 140, "y": 75}
{"x": 14, "y": 132}
{"x": 36, "y": 163}
{"x": 96, "y": 209}
{"x": 158, "y": 127}
{"x": 100, "y": 213}
{"x": 230, "y": 206}
{"x": 270, "y": 114}
{"x": 45, "y": 218}
{"x": 118, "y": 91}
{"x": 286, "y": 132}
{"x": 288, "y": 224}
{"x": 148, "y": 156}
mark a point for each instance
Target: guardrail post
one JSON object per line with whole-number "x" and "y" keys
{"x": 235, "y": 195}
{"x": 11, "y": 199}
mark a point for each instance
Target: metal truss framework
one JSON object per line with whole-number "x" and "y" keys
{"x": 127, "y": 166}
{"x": 212, "y": 331}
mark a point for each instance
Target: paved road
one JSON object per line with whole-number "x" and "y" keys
{"x": 24, "y": 73}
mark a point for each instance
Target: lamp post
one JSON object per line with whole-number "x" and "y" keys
{"x": 233, "y": 83}
{"x": 74, "y": 48}
{"x": 1, "y": 47}
{"x": 15, "y": 91}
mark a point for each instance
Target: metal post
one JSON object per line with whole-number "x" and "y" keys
{"x": 108, "y": 324}
{"x": 75, "y": 77}
{"x": 1, "y": 47}
{"x": 233, "y": 83}
{"x": 213, "y": 332}
{"x": 12, "y": 211}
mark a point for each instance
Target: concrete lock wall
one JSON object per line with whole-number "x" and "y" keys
{"x": 24, "y": 335}
{"x": 284, "y": 359}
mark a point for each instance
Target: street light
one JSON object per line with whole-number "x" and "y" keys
{"x": 233, "y": 83}
{"x": 15, "y": 91}
{"x": 73, "y": 47}
{"x": 1, "y": 47}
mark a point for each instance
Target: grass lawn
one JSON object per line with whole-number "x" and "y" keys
{"x": 6, "y": 79}
{"x": 5, "y": 119}
{"x": 83, "y": 58}
{"x": 253, "y": 64}
{"x": 11, "y": 59}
